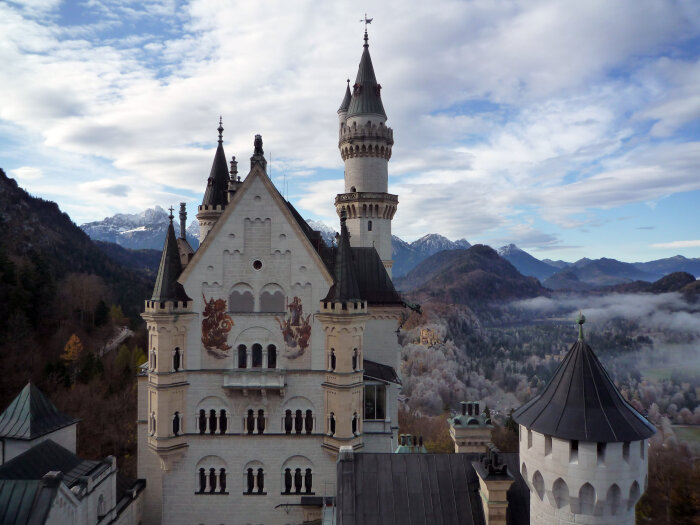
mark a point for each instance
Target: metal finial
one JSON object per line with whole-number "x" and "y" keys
{"x": 348, "y": 81}
{"x": 220, "y": 129}
{"x": 183, "y": 220}
{"x": 580, "y": 320}
{"x": 171, "y": 217}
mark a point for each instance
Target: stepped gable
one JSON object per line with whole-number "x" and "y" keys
{"x": 167, "y": 288}
{"x": 581, "y": 402}
{"x": 45, "y": 457}
{"x": 366, "y": 98}
{"x": 216, "y": 193}
{"x": 30, "y": 415}
{"x": 345, "y": 287}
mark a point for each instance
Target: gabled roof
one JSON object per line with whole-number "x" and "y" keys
{"x": 216, "y": 193}
{"x": 345, "y": 104}
{"x": 46, "y": 457}
{"x": 167, "y": 288}
{"x": 345, "y": 287}
{"x": 30, "y": 415}
{"x": 581, "y": 402}
{"x": 366, "y": 98}
{"x": 421, "y": 489}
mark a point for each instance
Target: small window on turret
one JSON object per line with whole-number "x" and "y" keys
{"x": 573, "y": 452}
{"x": 601, "y": 453}
{"x": 626, "y": 450}
{"x": 547, "y": 445}
{"x": 369, "y": 226}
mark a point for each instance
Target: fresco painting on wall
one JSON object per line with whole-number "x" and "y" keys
{"x": 216, "y": 325}
{"x": 296, "y": 329}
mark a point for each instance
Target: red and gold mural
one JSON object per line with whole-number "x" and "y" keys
{"x": 216, "y": 325}
{"x": 296, "y": 329}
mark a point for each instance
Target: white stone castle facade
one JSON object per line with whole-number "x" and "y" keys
{"x": 268, "y": 350}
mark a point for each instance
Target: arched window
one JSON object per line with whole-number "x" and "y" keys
{"x": 242, "y": 356}
{"x": 261, "y": 421}
{"x": 634, "y": 495}
{"x": 260, "y": 480}
{"x": 586, "y": 499}
{"x": 223, "y": 422}
{"x": 176, "y": 423}
{"x": 250, "y": 481}
{"x": 332, "y": 423}
{"x": 202, "y": 480}
{"x": 176, "y": 360}
{"x": 354, "y": 359}
{"x": 298, "y": 422}
{"x": 101, "y": 507}
{"x": 369, "y": 226}
{"x": 308, "y": 481}
{"x": 353, "y": 190}
{"x": 332, "y": 358}
{"x": 202, "y": 421}
{"x": 257, "y": 355}
{"x": 241, "y": 299}
{"x": 153, "y": 423}
{"x": 272, "y": 299}
{"x": 212, "y": 421}
{"x": 153, "y": 359}
{"x": 560, "y": 490}
{"x": 288, "y": 422}
{"x": 212, "y": 480}
{"x": 271, "y": 356}
{"x": 222, "y": 480}
{"x": 250, "y": 421}
{"x": 613, "y": 499}
{"x": 309, "y": 422}
{"x": 297, "y": 480}
{"x": 538, "y": 484}
{"x": 354, "y": 423}
{"x": 287, "y": 480}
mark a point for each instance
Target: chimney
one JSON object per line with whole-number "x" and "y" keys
{"x": 183, "y": 221}
{"x": 471, "y": 431}
{"x": 494, "y": 482}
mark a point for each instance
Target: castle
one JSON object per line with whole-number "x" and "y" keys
{"x": 272, "y": 383}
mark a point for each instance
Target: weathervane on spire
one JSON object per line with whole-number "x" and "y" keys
{"x": 366, "y": 21}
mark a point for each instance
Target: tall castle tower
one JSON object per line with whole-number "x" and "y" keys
{"x": 583, "y": 448}
{"x": 365, "y": 144}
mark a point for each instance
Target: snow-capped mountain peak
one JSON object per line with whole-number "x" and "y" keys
{"x": 510, "y": 249}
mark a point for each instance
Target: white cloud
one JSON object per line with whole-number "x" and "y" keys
{"x": 677, "y": 244}
{"x": 26, "y": 173}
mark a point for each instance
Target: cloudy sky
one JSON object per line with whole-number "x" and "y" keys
{"x": 569, "y": 128}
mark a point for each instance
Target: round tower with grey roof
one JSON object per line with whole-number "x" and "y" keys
{"x": 217, "y": 192}
{"x": 583, "y": 448}
{"x": 365, "y": 144}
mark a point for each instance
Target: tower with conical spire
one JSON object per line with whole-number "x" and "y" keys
{"x": 217, "y": 193}
{"x": 365, "y": 144}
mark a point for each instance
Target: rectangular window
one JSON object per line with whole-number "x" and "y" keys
{"x": 375, "y": 402}
{"x": 573, "y": 452}
{"x": 529, "y": 439}
{"x": 601, "y": 453}
{"x": 626, "y": 450}
{"x": 547, "y": 445}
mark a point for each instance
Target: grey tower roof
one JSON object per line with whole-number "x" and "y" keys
{"x": 167, "y": 288}
{"x": 30, "y": 415}
{"x": 345, "y": 287}
{"x": 581, "y": 402}
{"x": 345, "y": 104}
{"x": 366, "y": 98}
{"x": 216, "y": 193}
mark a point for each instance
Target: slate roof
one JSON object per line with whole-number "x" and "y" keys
{"x": 216, "y": 193}
{"x": 430, "y": 489}
{"x": 345, "y": 104}
{"x": 45, "y": 457}
{"x": 581, "y": 402}
{"x": 167, "y": 288}
{"x": 30, "y": 415}
{"x": 379, "y": 371}
{"x": 366, "y": 98}
{"x": 25, "y": 502}
{"x": 345, "y": 287}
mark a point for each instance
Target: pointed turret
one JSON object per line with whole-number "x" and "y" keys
{"x": 345, "y": 288}
{"x": 366, "y": 98}
{"x": 345, "y": 104}
{"x": 581, "y": 402}
{"x": 216, "y": 193}
{"x": 167, "y": 288}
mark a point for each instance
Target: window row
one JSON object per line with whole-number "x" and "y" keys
{"x": 294, "y": 481}
{"x": 257, "y": 357}
{"x": 601, "y": 449}
{"x": 356, "y": 361}
{"x": 212, "y": 422}
{"x": 270, "y": 300}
